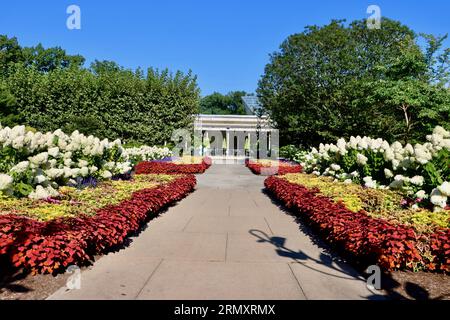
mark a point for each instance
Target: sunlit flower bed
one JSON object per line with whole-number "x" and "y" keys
{"x": 145, "y": 153}
{"x": 373, "y": 226}
{"x": 36, "y": 164}
{"x": 421, "y": 172}
{"x": 45, "y": 236}
{"x": 184, "y": 165}
{"x": 272, "y": 167}
{"x": 73, "y": 202}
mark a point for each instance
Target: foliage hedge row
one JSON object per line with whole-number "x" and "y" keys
{"x": 369, "y": 240}
{"x": 163, "y": 167}
{"x": 48, "y": 89}
{"x": 47, "y": 247}
{"x": 119, "y": 104}
{"x": 281, "y": 169}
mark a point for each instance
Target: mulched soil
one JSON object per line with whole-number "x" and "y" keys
{"x": 17, "y": 286}
{"x": 406, "y": 285}
{"x": 398, "y": 285}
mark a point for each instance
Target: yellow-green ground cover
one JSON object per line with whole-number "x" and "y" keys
{"x": 74, "y": 202}
{"x": 377, "y": 203}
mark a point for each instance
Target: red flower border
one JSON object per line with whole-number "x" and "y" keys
{"x": 48, "y": 247}
{"x": 159, "y": 167}
{"x": 260, "y": 169}
{"x": 370, "y": 240}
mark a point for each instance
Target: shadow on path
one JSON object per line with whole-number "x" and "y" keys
{"x": 403, "y": 290}
{"x": 301, "y": 257}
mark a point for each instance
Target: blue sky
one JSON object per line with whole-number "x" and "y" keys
{"x": 225, "y": 43}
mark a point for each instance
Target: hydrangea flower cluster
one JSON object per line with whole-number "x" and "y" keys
{"x": 146, "y": 153}
{"x": 421, "y": 171}
{"x": 36, "y": 164}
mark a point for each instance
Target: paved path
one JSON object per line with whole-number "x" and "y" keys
{"x": 227, "y": 240}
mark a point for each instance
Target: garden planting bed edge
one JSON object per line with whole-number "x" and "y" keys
{"x": 49, "y": 247}
{"x": 368, "y": 240}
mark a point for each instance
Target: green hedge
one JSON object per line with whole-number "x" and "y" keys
{"x": 115, "y": 104}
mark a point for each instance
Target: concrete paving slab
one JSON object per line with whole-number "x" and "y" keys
{"x": 223, "y": 225}
{"x": 214, "y": 211}
{"x": 219, "y": 280}
{"x": 113, "y": 277}
{"x": 170, "y": 222}
{"x": 259, "y": 246}
{"x": 283, "y": 224}
{"x": 330, "y": 281}
{"x": 179, "y": 246}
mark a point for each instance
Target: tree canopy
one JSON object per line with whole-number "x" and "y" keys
{"x": 217, "y": 103}
{"x": 340, "y": 80}
{"x": 48, "y": 89}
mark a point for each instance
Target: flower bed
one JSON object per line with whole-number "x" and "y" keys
{"x": 387, "y": 241}
{"x": 271, "y": 167}
{"x": 36, "y": 164}
{"x": 145, "y": 153}
{"x": 182, "y": 166}
{"x": 421, "y": 172}
{"x": 49, "y": 246}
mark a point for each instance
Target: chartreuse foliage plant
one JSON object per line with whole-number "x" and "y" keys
{"x": 74, "y": 202}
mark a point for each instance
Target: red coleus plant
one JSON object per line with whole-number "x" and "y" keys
{"x": 282, "y": 168}
{"x": 162, "y": 167}
{"x": 368, "y": 239}
{"x": 47, "y": 247}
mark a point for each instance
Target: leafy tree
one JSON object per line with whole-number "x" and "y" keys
{"x": 437, "y": 59}
{"x": 413, "y": 91}
{"x": 10, "y": 52}
{"x": 237, "y": 105}
{"x": 217, "y": 103}
{"x": 43, "y": 59}
{"x": 49, "y": 89}
{"x": 8, "y": 108}
{"x": 46, "y": 60}
{"x": 99, "y": 67}
{"x": 334, "y": 81}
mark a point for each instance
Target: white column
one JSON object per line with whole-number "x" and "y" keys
{"x": 249, "y": 142}
{"x": 228, "y": 143}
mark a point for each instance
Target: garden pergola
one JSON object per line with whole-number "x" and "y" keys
{"x": 230, "y": 137}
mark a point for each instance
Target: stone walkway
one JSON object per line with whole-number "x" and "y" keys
{"x": 227, "y": 240}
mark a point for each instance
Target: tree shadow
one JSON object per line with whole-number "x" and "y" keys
{"x": 9, "y": 276}
{"x": 388, "y": 283}
{"x": 301, "y": 257}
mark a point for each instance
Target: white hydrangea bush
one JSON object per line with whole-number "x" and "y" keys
{"x": 146, "y": 153}
{"x": 421, "y": 172}
{"x": 36, "y": 164}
